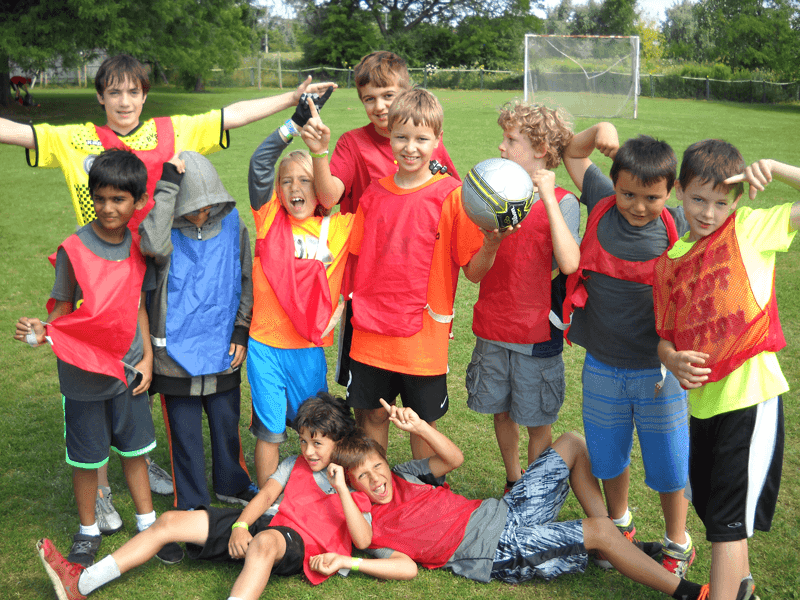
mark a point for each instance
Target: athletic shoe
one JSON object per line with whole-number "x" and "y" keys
{"x": 62, "y": 573}
{"x": 747, "y": 590}
{"x": 160, "y": 480}
{"x": 170, "y": 554}
{"x": 508, "y": 487}
{"x": 242, "y": 497}
{"x": 652, "y": 549}
{"x": 675, "y": 560}
{"x": 84, "y": 549}
{"x": 108, "y": 519}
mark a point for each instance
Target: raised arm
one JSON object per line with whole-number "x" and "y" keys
{"x": 762, "y": 172}
{"x": 360, "y": 530}
{"x": 245, "y": 112}
{"x": 156, "y": 228}
{"x": 16, "y": 134}
{"x": 317, "y": 137}
{"x": 565, "y": 249}
{"x": 447, "y": 456}
{"x": 602, "y": 136}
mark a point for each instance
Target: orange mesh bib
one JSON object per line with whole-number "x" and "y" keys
{"x": 704, "y": 302}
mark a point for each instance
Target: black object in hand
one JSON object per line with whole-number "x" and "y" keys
{"x": 303, "y": 113}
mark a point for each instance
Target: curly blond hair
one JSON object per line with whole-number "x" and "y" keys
{"x": 541, "y": 125}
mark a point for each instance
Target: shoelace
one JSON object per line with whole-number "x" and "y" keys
{"x": 82, "y": 547}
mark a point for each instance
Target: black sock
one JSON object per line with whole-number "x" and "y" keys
{"x": 687, "y": 590}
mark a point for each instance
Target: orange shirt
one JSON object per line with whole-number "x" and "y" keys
{"x": 271, "y": 325}
{"x": 458, "y": 239}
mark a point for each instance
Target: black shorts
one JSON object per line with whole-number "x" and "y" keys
{"x": 735, "y": 463}
{"x": 220, "y": 521}
{"x": 425, "y": 394}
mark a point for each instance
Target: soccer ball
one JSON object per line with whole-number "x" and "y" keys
{"x": 497, "y": 193}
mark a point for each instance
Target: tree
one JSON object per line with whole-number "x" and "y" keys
{"x": 493, "y": 43}
{"x": 683, "y": 37}
{"x": 651, "y": 40}
{"x": 339, "y": 34}
{"x": 616, "y": 17}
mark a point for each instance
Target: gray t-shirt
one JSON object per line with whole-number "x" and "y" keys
{"x": 617, "y": 325}
{"x": 474, "y": 556}
{"x": 75, "y": 383}
{"x": 571, "y": 211}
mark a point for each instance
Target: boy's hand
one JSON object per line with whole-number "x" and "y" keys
{"x": 303, "y": 113}
{"x": 315, "y": 133}
{"x": 403, "y": 417}
{"x": 27, "y": 326}
{"x": 492, "y": 239}
{"x": 180, "y": 166}
{"x": 311, "y": 88}
{"x": 607, "y": 140}
{"x": 758, "y": 175}
{"x": 239, "y": 541}
{"x": 337, "y": 478}
{"x": 685, "y": 365}
{"x": 329, "y": 563}
{"x": 145, "y": 367}
{"x": 239, "y": 353}
{"x": 545, "y": 182}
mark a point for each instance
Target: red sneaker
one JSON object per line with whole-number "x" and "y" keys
{"x": 63, "y": 574}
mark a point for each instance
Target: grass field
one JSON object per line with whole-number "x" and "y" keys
{"x": 35, "y": 482}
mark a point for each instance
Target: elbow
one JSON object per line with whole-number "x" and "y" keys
{"x": 570, "y": 266}
{"x": 408, "y": 571}
{"x": 363, "y": 542}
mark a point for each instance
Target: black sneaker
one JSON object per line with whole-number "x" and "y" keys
{"x": 84, "y": 549}
{"x": 242, "y": 497}
{"x": 170, "y": 554}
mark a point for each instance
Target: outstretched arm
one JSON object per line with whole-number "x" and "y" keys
{"x": 602, "y": 136}
{"x": 447, "y": 456}
{"x": 16, "y": 134}
{"x": 397, "y": 566}
{"x": 762, "y": 172}
{"x": 245, "y": 112}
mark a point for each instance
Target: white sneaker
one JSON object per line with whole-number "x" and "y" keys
{"x": 108, "y": 519}
{"x": 160, "y": 480}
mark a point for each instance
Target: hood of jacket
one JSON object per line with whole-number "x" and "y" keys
{"x": 201, "y": 187}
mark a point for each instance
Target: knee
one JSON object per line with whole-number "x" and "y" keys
{"x": 374, "y": 418}
{"x": 598, "y": 532}
{"x": 263, "y": 544}
{"x": 502, "y": 418}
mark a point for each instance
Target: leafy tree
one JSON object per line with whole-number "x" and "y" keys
{"x": 339, "y": 34}
{"x": 493, "y": 43}
{"x": 616, "y": 17}
{"x": 651, "y": 41}
{"x": 684, "y": 38}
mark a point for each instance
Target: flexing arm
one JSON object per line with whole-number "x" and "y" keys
{"x": 16, "y": 134}
{"x": 565, "y": 249}
{"x": 447, "y": 456}
{"x": 360, "y": 530}
{"x": 762, "y": 172}
{"x": 685, "y": 365}
{"x": 602, "y": 136}
{"x": 397, "y": 566}
{"x": 245, "y": 112}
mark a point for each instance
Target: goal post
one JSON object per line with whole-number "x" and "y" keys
{"x": 588, "y": 75}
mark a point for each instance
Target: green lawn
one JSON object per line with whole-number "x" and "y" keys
{"x": 35, "y": 483}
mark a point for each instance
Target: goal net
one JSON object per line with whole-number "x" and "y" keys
{"x": 590, "y": 76}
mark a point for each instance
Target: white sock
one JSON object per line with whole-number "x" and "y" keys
{"x": 625, "y": 519}
{"x": 92, "y": 529}
{"x": 100, "y": 573}
{"x": 682, "y": 547}
{"x": 144, "y": 521}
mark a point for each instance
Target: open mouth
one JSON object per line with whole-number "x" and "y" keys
{"x": 297, "y": 202}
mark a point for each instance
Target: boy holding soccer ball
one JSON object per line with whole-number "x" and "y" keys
{"x": 517, "y": 371}
{"x": 629, "y": 227}
{"x": 412, "y": 237}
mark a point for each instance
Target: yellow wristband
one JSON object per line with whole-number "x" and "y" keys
{"x": 240, "y": 524}
{"x": 356, "y": 564}
{"x": 318, "y": 154}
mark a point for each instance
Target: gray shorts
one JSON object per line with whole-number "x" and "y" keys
{"x": 529, "y": 388}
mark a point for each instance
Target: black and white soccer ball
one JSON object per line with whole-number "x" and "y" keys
{"x": 497, "y": 193}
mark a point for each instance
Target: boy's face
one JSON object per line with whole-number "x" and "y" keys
{"x": 297, "y": 191}
{"x": 316, "y": 449}
{"x": 518, "y": 148}
{"x": 412, "y": 146}
{"x": 198, "y": 217}
{"x": 638, "y": 203}
{"x": 374, "y": 478}
{"x": 706, "y": 207}
{"x": 115, "y": 207}
{"x": 377, "y": 101}
{"x": 123, "y": 102}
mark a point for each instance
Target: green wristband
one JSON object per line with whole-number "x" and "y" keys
{"x": 240, "y": 524}
{"x": 356, "y": 564}
{"x": 318, "y": 154}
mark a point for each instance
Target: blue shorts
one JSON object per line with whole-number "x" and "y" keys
{"x": 533, "y": 543}
{"x": 280, "y": 381}
{"x": 614, "y": 400}
{"x": 124, "y": 423}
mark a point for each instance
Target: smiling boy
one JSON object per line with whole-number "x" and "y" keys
{"x": 412, "y": 236}
{"x": 717, "y": 315}
{"x": 629, "y": 226}
{"x": 281, "y": 545}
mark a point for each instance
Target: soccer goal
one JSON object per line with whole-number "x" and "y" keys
{"x": 588, "y": 75}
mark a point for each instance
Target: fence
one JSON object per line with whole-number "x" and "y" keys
{"x": 747, "y": 90}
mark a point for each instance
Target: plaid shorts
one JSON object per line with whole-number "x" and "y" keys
{"x": 533, "y": 544}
